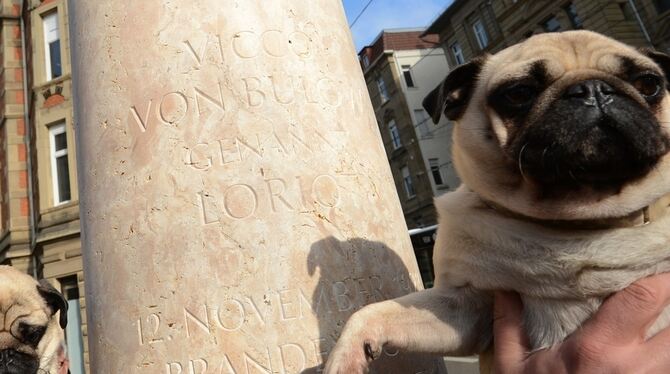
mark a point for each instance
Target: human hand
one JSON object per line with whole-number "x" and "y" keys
{"x": 612, "y": 341}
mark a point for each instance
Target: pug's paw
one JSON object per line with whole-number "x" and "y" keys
{"x": 352, "y": 356}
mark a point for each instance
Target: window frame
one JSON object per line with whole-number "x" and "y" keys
{"x": 396, "y": 141}
{"x": 49, "y": 74}
{"x": 458, "y": 55}
{"x": 69, "y": 286}
{"x": 407, "y": 73}
{"x": 545, "y": 24}
{"x": 383, "y": 90}
{"x": 366, "y": 60}
{"x": 407, "y": 182}
{"x": 484, "y": 35}
{"x": 56, "y": 129}
{"x": 434, "y": 165}
{"x": 571, "y": 10}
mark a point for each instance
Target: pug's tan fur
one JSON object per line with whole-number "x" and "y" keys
{"x": 562, "y": 275}
{"x": 22, "y": 302}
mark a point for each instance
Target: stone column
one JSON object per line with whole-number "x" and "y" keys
{"x": 236, "y": 203}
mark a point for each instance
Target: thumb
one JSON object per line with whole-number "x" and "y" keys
{"x": 510, "y": 342}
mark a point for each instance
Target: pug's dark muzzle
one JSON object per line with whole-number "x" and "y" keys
{"x": 593, "y": 135}
{"x": 14, "y": 362}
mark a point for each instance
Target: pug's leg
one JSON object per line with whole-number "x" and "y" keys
{"x": 453, "y": 321}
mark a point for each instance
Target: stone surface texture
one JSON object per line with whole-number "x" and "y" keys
{"x": 237, "y": 206}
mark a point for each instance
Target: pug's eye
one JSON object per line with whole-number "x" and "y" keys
{"x": 521, "y": 95}
{"x": 31, "y": 334}
{"x": 648, "y": 85}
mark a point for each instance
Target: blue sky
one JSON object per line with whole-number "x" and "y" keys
{"x": 387, "y": 14}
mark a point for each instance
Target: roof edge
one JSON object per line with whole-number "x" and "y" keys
{"x": 438, "y": 23}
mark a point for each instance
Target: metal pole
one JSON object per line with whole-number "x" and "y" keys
{"x": 640, "y": 22}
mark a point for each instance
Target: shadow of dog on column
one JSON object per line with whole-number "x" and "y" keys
{"x": 354, "y": 273}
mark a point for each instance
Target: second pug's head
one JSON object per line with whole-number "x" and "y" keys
{"x": 562, "y": 126}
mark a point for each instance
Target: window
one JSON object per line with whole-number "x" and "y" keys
{"x": 551, "y": 24}
{"x": 663, "y": 5}
{"x": 52, "y": 46}
{"x": 75, "y": 344}
{"x": 407, "y": 182}
{"x": 395, "y": 135}
{"x": 407, "y": 73}
{"x": 480, "y": 33}
{"x": 422, "y": 120}
{"x": 383, "y": 93}
{"x": 60, "y": 170}
{"x": 435, "y": 170}
{"x": 458, "y": 53}
{"x": 571, "y": 11}
{"x": 366, "y": 61}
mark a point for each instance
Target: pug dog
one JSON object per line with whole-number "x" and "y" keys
{"x": 562, "y": 143}
{"x": 32, "y": 318}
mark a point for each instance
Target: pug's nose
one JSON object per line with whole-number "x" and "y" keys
{"x": 591, "y": 92}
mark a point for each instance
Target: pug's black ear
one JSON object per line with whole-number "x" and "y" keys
{"x": 453, "y": 94}
{"x": 662, "y": 59}
{"x": 55, "y": 300}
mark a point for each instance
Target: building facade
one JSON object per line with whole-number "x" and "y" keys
{"x": 400, "y": 69}
{"x": 469, "y": 28}
{"x": 39, "y": 210}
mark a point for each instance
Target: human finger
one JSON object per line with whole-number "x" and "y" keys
{"x": 510, "y": 340}
{"x": 625, "y": 317}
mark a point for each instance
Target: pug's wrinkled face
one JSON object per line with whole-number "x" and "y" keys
{"x": 30, "y": 335}
{"x": 562, "y": 126}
